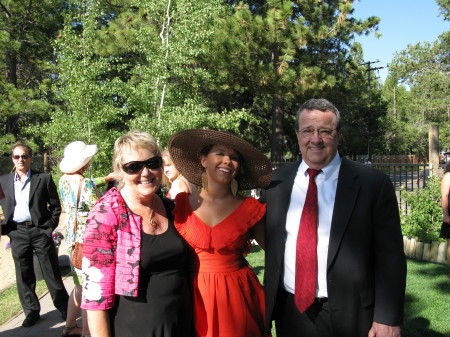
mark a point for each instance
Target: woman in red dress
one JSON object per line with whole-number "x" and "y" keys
{"x": 218, "y": 224}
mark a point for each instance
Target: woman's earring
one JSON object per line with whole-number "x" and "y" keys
{"x": 234, "y": 187}
{"x": 204, "y": 180}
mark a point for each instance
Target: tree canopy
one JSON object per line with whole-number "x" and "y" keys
{"x": 92, "y": 70}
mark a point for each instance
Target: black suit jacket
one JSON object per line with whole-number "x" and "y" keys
{"x": 366, "y": 268}
{"x": 45, "y": 207}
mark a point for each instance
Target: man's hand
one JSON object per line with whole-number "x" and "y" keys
{"x": 383, "y": 330}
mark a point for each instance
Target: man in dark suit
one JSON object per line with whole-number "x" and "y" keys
{"x": 31, "y": 209}
{"x": 359, "y": 272}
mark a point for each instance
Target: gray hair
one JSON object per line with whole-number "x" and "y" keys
{"x": 321, "y": 104}
{"x": 135, "y": 139}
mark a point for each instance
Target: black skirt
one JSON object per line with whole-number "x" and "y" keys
{"x": 445, "y": 231}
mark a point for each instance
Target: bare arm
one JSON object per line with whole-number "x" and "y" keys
{"x": 258, "y": 232}
{"x": 178, "y": 186}
{"x": 445, "y": 188}
{"x": 98, "y": 323}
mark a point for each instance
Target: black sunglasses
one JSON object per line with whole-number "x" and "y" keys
{"x": 133, "y": 167}
{"x": 23, "y": 156}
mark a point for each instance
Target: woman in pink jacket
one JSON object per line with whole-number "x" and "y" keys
{"x": 134, "y": 277}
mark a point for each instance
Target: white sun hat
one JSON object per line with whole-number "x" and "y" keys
{"x": 76, "y": 155}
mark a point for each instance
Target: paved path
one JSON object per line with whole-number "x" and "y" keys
{"x": 50, "y": 324}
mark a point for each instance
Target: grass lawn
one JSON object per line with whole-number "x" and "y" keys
{"x": 9, "y": 300}
{"x": 10, "y": 304}
{"x": 427, "y": 305}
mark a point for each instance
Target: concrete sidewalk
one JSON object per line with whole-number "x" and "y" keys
{"x": 50, "y": 324}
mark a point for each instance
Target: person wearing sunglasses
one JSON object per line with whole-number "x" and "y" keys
{"x": 134, "y": 260}
{"x": 31, "y": 212}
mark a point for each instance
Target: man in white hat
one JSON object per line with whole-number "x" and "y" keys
{"x": 31, "y": 210}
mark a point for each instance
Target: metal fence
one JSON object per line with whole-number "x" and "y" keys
{"x": 404, "y": 177}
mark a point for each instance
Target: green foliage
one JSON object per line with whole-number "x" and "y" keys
{"x": 444, "y": 8}
{"x": 269, "y": 57}
{"x": 423, "y": 215}
{"x": 26, "y": 31}
{"x": 418, "y": 94}
{"x": 131, "y": 64}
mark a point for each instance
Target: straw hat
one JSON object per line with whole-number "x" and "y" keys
{"x": 76, "y": 155}
{"x": 185, "y": 147}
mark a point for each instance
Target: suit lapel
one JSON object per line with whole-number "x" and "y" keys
{"x": 9, "y": 189}
{"x": 35, "y": 179}
{"x": 346, "y": 195}
{"x": 283, "y": 198}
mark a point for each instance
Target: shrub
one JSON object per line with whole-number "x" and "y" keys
{"x": 422, "y": 217}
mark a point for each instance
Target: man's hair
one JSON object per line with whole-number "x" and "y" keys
{"x": 20, "y": 144}
{"x": 321, "y": 104}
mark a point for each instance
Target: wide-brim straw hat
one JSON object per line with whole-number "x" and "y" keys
{"x": 185, "y": 147}
{"x": 76, "y": 155}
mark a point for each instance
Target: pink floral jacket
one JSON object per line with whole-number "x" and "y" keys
{"x": 111, "y": 252}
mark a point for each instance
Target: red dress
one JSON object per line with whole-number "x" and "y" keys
{"x": 228, "y": 298}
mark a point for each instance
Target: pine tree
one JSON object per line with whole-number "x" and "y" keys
{"x": 26, "y": 31}
{"x": 273, "y": 54}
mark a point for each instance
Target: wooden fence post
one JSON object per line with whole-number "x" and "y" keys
{"x": 433, "y": 142}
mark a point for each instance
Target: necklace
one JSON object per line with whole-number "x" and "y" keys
{"x": 152, "y": 222}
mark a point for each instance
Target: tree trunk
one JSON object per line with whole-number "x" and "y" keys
{"x": 277, "y": 127}
{"x": 277, "y": 112}
{"x": 11, "y": 63}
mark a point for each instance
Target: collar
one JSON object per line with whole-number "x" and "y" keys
{"x": 16, "y": 176}
{"x": 328, "y": 170}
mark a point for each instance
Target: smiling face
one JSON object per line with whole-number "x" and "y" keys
{"x": 221, "y": 164}
{"x": 317, "y": 137}
{"x": 21, "y": 159}
{"x": 145, "y": 182}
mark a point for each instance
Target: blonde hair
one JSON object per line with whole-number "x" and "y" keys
{"x": 135, "y": 139}
{"x": 167, "y": 160}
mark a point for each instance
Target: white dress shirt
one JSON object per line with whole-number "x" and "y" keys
{"x": 326, "y": 182}
{"x": 22, "y": 198}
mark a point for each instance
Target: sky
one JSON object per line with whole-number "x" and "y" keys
{"x": 403, "y": 22}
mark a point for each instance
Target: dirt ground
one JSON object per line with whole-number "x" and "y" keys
{"x": 7, "y": 272}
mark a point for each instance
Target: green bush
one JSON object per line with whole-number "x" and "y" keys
{"x": 422, "y": 217}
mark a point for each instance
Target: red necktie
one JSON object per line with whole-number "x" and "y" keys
{"x": 306, "y": 257}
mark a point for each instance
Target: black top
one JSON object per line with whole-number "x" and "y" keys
{"x": 164, "y": 303}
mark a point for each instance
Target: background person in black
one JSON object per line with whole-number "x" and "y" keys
{"x": 31, "y": 209}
